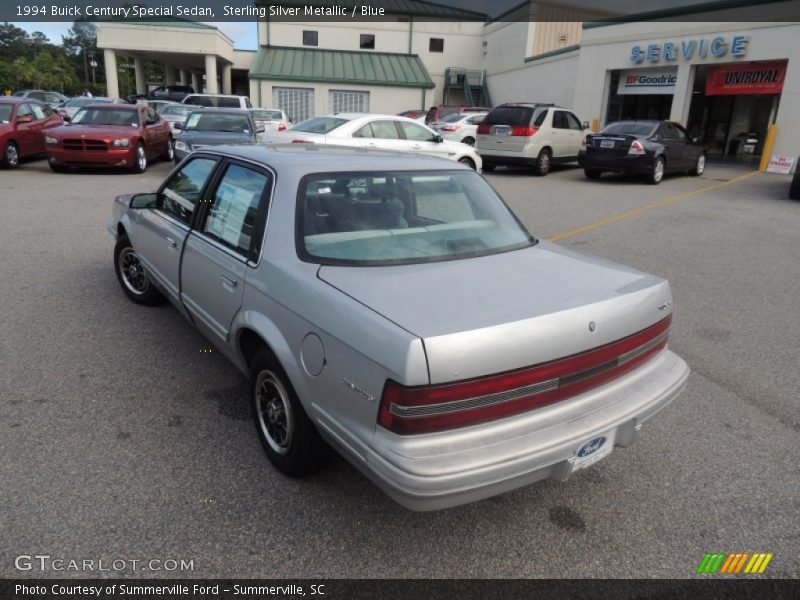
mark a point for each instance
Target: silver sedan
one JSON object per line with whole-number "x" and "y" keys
{"x": 393, "y": 307}
{"x": 383, "y": 132}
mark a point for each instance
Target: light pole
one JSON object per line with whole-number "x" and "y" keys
{"x": 93, "y": 64}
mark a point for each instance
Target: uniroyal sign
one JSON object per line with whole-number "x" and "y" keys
{"x": 647, "y": 82}
{"x": 751, "y": 78}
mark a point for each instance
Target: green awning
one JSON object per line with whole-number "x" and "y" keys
{"x": 340, "y": 66}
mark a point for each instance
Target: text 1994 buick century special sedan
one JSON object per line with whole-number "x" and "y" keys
{"x": 394, "y": 307}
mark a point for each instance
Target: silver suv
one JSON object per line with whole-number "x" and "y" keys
{"x": 534, "y": 135}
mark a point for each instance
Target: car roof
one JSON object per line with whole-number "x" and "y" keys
{"x": 20, "y": 100}
{"x": 114, "y": 106}
{"x": 303, "y": 158}
{"x": 642, "y": 121}
{"x": 227, "y": 110}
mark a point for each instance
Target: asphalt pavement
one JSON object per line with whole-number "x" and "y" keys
{"x": 122, "y": 439}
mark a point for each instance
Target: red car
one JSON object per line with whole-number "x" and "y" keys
{"x": 23, "y": 124}
{"x": 110, "y": 135}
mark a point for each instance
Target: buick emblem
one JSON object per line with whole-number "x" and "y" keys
{"x": 592, "y": 326}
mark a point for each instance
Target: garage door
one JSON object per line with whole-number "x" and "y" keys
{"x": 342, "y": 101}
{"x": 297, "y": 102}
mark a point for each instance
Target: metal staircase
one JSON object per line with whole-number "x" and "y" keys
{"x": 472, "y": 84}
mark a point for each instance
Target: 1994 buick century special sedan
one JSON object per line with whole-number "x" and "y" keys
{"x": 393, "y": 307}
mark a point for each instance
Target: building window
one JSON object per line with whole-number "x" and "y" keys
{"x": 367, "y": 41}
{"x": 298, "y": 103}
{"x": 436, "y": 45}
{"x": 310, "y": 38}
{"x": 346, "y": 101}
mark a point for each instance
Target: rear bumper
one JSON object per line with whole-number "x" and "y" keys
{"x": 435, "y": 471}
{"x": 632, "y": 163}
{"x": 113, "y": 157}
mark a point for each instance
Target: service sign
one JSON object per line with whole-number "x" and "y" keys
{"x": 653, "y": 81}
{"x": 752, "y": 78}
{"x": 781, "y": 164}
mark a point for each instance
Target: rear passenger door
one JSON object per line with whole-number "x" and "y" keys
{"x": 381, "y": 134}
{"x": 228, "y": 236}
{"x": 675, "y": 147}
{"x": 162, "y": 231}
{"x": 26, "y": 132}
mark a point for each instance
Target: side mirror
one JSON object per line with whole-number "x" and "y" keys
{"x": 178, "y": 125}
{"x": 66, "y": 118}
{"x": 144, "y": 200}
{"x": 438, "y": 139}
{"x": 24, "y": 119}
{"x": 585, "y": 124}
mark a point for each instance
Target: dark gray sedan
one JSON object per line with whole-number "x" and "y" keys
{"x": 215, "y": 127}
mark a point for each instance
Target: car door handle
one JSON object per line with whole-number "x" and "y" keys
{"x": 172, "y": 243}
{"x": 416, "y": 146}
{"x": 229, "y": 281}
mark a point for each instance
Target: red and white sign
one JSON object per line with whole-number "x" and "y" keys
{"x": 781, "y": 164}
{"x": 750, "y": 78}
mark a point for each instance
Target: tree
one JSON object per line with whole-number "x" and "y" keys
{"x": 80, "y": 41}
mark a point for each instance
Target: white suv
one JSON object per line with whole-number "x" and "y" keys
{"x": 535, "y": 135}
{"x": 218, "y": 101}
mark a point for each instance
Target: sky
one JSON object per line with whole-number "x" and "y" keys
{"x": 244, "y": 34}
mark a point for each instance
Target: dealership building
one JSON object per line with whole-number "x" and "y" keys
{"x": 726, "y": 80}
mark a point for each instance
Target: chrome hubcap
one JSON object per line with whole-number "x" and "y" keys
{"x": 133, "y": 274}
{"x": 12, "y": 156}
{"x": 141, "y": 158}
{"x": 170, "y": 149}
{"x": 545, "y": 162}
{"x": 659, "y": 172}
{"x": 274, "y": 412}
{"x": 701, "y": 164}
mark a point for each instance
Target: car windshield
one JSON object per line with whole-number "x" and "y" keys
{"x": 408, "y": 217}
{"x": 629, "y": 128}
{"x": 175, "y": 110}
{"x": 222, "y": 122}
{"x": 319, "y": 125}
{"x": 5, "y": 113}
{"x": 267, "y": 115}
{"x": 107, "y": 116}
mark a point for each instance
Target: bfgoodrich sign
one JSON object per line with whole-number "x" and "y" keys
{"x": 716, "y": 47}
{"x": 640, "y": 81}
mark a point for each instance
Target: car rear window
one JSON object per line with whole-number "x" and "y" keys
{"x": 319, "y": 125}
{"x": 509, "y": 115}
{"x": 223, "y": 122}
{"x": 272, "y": 115}
{"x": 171, "y": 110}
{"x": 407, "y": 217}
{"x": 629, "y": 128}
{"x": 106, "y": 116}
{"x": 5, "y": 113}
{"x": 453, "y": 118}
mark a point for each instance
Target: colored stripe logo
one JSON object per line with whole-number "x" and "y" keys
{"x": 722, "y": 563}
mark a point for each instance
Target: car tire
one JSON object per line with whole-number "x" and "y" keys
{"x": 488, "y": 168}
{"x": 469, "y": 141}
{"x": 700, "y": 165}
{"x": 55, "y": 168}
{"x": 542, "y": 165}
{"x": 169, "y": 151}
{"x": 10, "y": 159}
{"x": 139, "y": 159}
{"x": 291, "y": 441}
{"x": 132, "y": 276}
{"x": 464, "y": 160}
{"x": 657, "y": 171}
{"x": 592, "y": 173}
{"x": 794, "y": 187}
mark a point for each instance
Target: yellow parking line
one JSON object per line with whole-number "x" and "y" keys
{"x": 641, "y": 209}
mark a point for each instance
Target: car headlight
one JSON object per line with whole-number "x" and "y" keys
{"x": 183, "y": 147}
{"x": 121, "y": 143}
{"x": 50, "y": 141}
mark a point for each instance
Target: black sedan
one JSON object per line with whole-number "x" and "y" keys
{"x": 649, "y": 148}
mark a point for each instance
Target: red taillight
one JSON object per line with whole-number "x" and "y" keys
{"x": 424, "y": 409}
{"x": 484, "y": 129}
{"x": 450, "y": 127}
{"x": 302, "y": 142}
{"x": 523, "y": 131}
{"x": 281, "y": 127}
{"x": 636, "y": 148}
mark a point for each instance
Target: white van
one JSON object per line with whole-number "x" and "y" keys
{"x": 218, "y": 101}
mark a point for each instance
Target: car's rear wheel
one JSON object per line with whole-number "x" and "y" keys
{"x": 169, "y": 151}
{"x": 656, "y": 172}
{"x": 132, "y": 276}
{"x": 139, "y": 159}
{"x": 291, "y": 441}
{"x": 699, "y": 166}
{"x": 543, "y": 162}
{"x": 10, "y": 156}
{"x": 469, "y": 141}
{"x": 467, "y": 161}
{"x": 592, "y": 173}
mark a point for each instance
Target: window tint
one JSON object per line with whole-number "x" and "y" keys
{"x": 310, "y": 38}
{"x": 319, "y": 125}
{"x": 38, "y": 112}
{"x": 182, "y": 193}
{"x": 680, "y": 132}
{"x": 436, "y": 45}
{"x": 367, "y": 41}
{"x": 509, "y": 115}
{"x": 560, "y": 120}
{"x": 573, "y": 122}
{"x": 364, "y": 132}
{"x": 384, "y": 130}
{"x": 37, "y": 96}
{"x": 107, "y": 116}
{"x": 5, "y": 112}
{"x": 23, "y": 109}
{"x": 416, "y": 133}
{"x": 668, "y": 132}
{"x": 232, "y": 217}
{"x": 403, "y": 217}
{"x": 213, "y": 121}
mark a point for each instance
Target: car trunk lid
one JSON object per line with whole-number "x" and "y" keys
{"x": 507, "y": 311}
{"x": 611, "y": 144}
